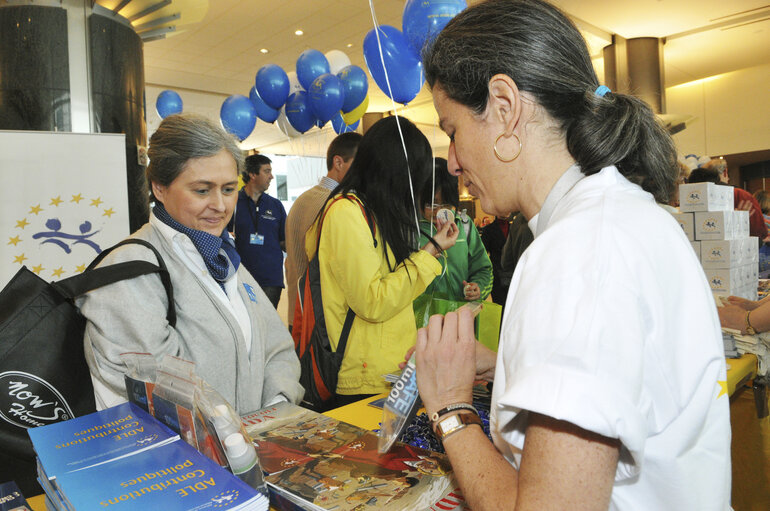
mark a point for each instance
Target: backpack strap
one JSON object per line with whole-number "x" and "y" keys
{"x": 94, "y": 278}
{"x": 369, "y": 220}
{"x": 351, "y": 315}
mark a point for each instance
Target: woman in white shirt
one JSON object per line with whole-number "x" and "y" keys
{"x": 609, "y": 383}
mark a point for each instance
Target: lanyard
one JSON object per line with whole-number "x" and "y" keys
{"x": 562, "y": 187}
{"x": 254, "y": 213}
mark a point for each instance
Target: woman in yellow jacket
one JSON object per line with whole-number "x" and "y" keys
{"x": 377, "y": 272}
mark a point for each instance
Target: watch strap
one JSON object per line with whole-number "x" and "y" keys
{"x": 455, "y": 423}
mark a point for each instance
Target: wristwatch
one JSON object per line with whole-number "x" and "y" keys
{"x": 749, "y": 329}
{"x": 455, "y": 423}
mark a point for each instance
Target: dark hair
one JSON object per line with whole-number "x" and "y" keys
{"x": 380, "y": 177}
{"x": 344, "y": 145}
{"x": 445, "y": 183}
{"x": 181, "y": 138}
{"x": 541, "y": 50}
{"x": 253, "y": 165}
{"x": 705, "y": 175}
{"x": 763, "y": 198}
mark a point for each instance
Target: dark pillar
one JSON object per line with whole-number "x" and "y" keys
{"x": 77, "y": 69}
{"x": 635, "y": 66}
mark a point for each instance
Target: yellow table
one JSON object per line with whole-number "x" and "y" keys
{"x": 740, "y": 371}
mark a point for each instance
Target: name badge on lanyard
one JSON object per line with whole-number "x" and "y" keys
{"x": 257, "y": 239}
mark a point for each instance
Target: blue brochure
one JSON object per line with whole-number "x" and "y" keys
{"x": 173, "y": 476}
{"x": 97, "y": 438}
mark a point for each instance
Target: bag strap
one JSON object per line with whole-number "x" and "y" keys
{"x": 94, "y": 278}
{"x": 351, "y": 315}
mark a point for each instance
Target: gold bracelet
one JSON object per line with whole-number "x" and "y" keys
{"x": 749, "y": 329}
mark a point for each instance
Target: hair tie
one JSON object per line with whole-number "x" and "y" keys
{"x": 601, "y": 90}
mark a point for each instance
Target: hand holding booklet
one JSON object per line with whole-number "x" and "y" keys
{"x": 402, "y": 403}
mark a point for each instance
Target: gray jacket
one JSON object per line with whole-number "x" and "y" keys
{"x": 130, "y": 316}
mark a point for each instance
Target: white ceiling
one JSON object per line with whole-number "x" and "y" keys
{"x": 221, "y": 54}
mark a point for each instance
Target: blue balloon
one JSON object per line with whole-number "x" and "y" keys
{"x": 238, "y": 116}
{"x": 403, "y": 67}
{"x": 272, "y": 85}
{"x": 355, "y": 84}
{"x": 424, "y": 19}
{"x": 168, "y": 103}
{"x": 319, "y": 123}
{"x": 264, "y": 111}
{"x": 310, "y": 65}
{"x": 326, "y": 96}
{"x": 298, "y": 112}
{"x": 340, "y": 127}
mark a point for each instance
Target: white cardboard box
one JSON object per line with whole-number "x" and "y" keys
{"x": 722, "y": 253}
{"x": 705, "y": 197}
{"x": 721, "y": 225}
{"x": 713, "y": 225}
{"x": 686, "y": 222}
{"x": 725, "y": 280}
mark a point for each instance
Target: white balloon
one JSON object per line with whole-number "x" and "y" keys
{"x": 285, "y": 126}
{"x": 294, "y": 85}
{"x": 337, "y": 60}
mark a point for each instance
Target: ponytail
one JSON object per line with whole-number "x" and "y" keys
{"x": 621, "y": 130}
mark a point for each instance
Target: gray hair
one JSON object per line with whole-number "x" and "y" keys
{"x": 183, "y": 137}
{"x": 536, "y": 45}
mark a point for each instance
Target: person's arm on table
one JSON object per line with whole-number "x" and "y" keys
{"x": 746, "y": 304}
{"x": 739, "y": 318}
{"x": 562, "y": 467}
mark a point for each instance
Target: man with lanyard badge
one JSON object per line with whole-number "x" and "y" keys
{"x": 259, "y": 224}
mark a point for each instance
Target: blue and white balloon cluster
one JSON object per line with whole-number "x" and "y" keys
{"x": 323, "y": 88}
{"x": 326, "y": 87}
{"x": 393, "y": 57}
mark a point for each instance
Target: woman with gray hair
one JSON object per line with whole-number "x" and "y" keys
{"x": 225, "y": 323}
{"x": 609, "y": 382}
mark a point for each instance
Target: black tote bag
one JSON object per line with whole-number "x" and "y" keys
{"x": 44, "y": 377}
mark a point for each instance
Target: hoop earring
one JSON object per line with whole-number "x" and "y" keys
{"x": 498, "y": 154}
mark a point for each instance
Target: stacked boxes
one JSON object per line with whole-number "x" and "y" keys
{"x": 720, "y": 237}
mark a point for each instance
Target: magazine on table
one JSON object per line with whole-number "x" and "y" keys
{"x": 315, "y": 462}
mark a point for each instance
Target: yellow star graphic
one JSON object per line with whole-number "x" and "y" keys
{"x": 108, "y": 212}
{"x": 13, "y": 241}
{"x": 77, "y": 198}
{"x": 80, "y": 268}
{"x": 22, "y": 223}
{"x": 96, "y": 201}
{"x": 20, "y": 259}
{"x": 722, "y": 388}
{"x": 58, "y": 271}
{"x": 56, "y": 201}
{"x": 37, "y": 269}
{"x": 34, "y": 210}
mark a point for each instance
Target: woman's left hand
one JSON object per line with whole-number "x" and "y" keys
{"x": 732, "y": 316}
{"x": 446, "y": 360}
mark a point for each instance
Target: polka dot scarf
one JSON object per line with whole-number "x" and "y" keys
{"x": 218, "y": 253}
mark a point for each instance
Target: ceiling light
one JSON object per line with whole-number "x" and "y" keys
{"x": 298, "y": 32}
{"x": 350, "y": 45}
{"x": 263, "y": 50}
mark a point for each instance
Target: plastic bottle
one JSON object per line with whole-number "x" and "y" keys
{"x": 223, "y": 423}
{"x": 244, "y": 462}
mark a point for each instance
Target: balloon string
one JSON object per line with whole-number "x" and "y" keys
{"x": 395, "y": 112}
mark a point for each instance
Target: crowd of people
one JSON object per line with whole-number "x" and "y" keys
{"x": 607, "y": 377}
